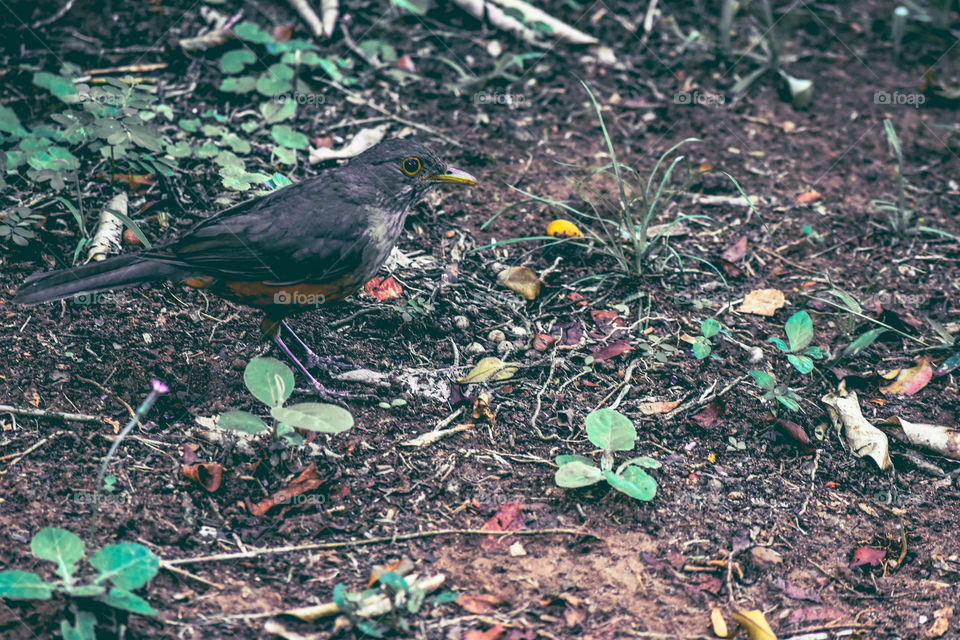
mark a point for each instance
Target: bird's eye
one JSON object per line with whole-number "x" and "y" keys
{"x": 411, "y": 166}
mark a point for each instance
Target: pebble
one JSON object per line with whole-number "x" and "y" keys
{"x": 504, "y": 348}
{"x": 475, "y": 347}
{"x": 765, "y": 556}
{"x": 518, "y": 332}
{"x": 496, "y": 336}
{"x": 461, "y": 322}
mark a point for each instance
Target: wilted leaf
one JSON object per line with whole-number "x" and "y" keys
{"x": 521, "y": 280}
{"x": 611, "y": 350}
{"x": 736, "y": 251}
{"x": 808, "y": 197}
{"x": 490, "y": 368}
{"x": 308, "y": 480}
{"x": 909, "y": 381}
{"x": 942, "y": 440}
{"x": 867, "y": 556}
{"x": 381, "y": 288}
{"x": 863, "y": 438}
{"x": 479, "y": 604}
{"x": 209, "y": 475}
{"x": 509, "y": 517}
{"x": 763, "y": 302}
{"x": 653, "y": 408}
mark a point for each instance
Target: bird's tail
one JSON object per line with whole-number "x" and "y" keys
{"x": 114, "y": 273}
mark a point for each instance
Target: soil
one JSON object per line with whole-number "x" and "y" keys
{"x": 746, "y": 516}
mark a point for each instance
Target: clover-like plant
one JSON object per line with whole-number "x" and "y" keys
{"x": 271, "y": 382}
{"x": 611, "y": 431}
{"x": 773, "y": 391}
{"x": 702, "y": 347}
{"x": 799, "y": 330}
{"x": 125, "y": 566}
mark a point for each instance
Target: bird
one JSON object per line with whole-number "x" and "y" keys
{"x": 307, "y": 244}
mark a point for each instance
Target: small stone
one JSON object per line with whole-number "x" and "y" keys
{"x": 518, "y": 332}
{"x": 765, "y": 556}
{"x": 475, "y": 348}
{"x": 461, "y": 322}
{"x": 496, "y": 336}
{"x": 504, "y": 348}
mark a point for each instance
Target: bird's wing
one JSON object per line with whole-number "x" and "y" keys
{"x": 304, "y": 232}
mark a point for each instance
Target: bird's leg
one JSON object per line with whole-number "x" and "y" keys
{"x": 313, "y": 382}
{"x": 329, "y": 363}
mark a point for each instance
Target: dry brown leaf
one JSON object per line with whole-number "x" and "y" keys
{"x": 808, "y": 197}
{"x": 755, "y": 624}
{"x": 933, "y": 437}
{"x": 209, "y": 476}
{"x": 490, "y": 368}
{"x": 652, "y": 408}
{"x": 718, "y": 624}
{"x": 864, "y": 438}
{"x": 763, "y": 302}
{"x": 521, "y": 280}
{"x": 480, "y": 604}
{"x": 909, "y": 381}
{"x": 383, "y": 288}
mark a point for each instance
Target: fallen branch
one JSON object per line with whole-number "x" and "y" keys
{"x": 47, "y": 413}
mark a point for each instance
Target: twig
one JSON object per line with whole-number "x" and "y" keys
{"x": 183, "y": 573}
{"x": 369, "y": 541}
{"x": 536, "y": 413}
{"x": 47, "y": 413}
{"x": 16, "y": 457}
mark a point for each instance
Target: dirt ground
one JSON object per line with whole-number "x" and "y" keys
{"x": 746, "y": 517}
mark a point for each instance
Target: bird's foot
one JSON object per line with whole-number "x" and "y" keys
{"x": 330, "y": 364}
{"x": 335, "y": 396}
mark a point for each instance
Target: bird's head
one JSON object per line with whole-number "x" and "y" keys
{"x": 408, "y": 168}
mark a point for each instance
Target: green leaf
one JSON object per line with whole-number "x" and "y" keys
{"x": 235, "y": 142}
{"x": 577, "y": 474}
{"x": 642, "y": 461}
{"x": 419, "y": 7}
{"x": 10, "y": 123}
{"x": 764, "y": 379}
{"x": 58, "y": 546}
{"x": 780, "y": 344}
{"x": 190, "y": 125}
{"x": 123, "y": 599}
{"x": 285, "y": 156}
{"x": 274, "y": 111}
{"x": 814, "y": 352}
{"x": 799, "y": 330}
{"x": 59, "y": 86}
{"x": 127, "y": 565}
{"x": 180, "y": 149}
{"x": 709, "y": 328}
{"x": 287, "y": 137}
{"x": 313, "y": 416}
{"x": 130, "y": 224}
{"x": 393, "y": 580}
{"x": 864, "y": 341}
{"x": 87, "y": 590}
{"x": 251, "y": 32}
{"x": 234, "y": 61}
{"x": 789, "y": 403}
{"x": 610, "y": 430}
{"x": 23, "y": 585}
{"x": 243, "y": 84}
{"x": 564, "y": 459}
{"x": 275, "y": 80}
{"x": 241, "y": 421}
{"x": 86, "y": 622}
{"x": 269, "y": 380}
{"x": 635, "y": 482}
{"x": 803, "y": 364}
{"x": 701, "y": 349}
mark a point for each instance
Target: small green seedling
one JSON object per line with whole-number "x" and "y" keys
{"x": 127, "y": 566}
{"x": 736, "y": 445}
{"x": 799, "y": 330}
{"x": 271, "y": 382}
{"x": 702, "y": 347}
{"x": 611, "y": 431}
{"x": 774, "y": 391}
{"x": 402, "y": 598}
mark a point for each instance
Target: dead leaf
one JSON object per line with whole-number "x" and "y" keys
{"x": 718, "y": 624}
{"x": 736, "y": 251}
{"x": 209, "y": 475}
{"x": 405, "y": 63}
{"x": 653, "y": 408}
{"x": 574, "y": 616}
{"x": 363, "y": 140}
{"x": 807, "y": 197}
{"x": 909, "y": 381}
{"x": 401, "y": 567}
{"x": 868, "y": 556}
{"x": 763, "y": 302}
{"x": 480, "y": 604}
{"x": 941, "y": 622}
{"x": 482, "y": 410}
{"x": 755, "y": 624}
{"x": 492, "y": 633}
{"x": 933, "y": 437}
{"x": 611, "y": 350}
{"x": 383, "y": 288}
{"x": 709, "y": 416}
{"x": 795, "y": 431}
{"x": 543, "y": 341}
{"x": 521, "y": 280}
{"x": 863, "y": 438}
{"x": 308, "y": 480}
{"x": 509, "y": 517}
{"x": 490, "y": 368}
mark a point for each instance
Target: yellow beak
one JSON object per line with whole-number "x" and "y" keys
{"x": 454, "y": 176}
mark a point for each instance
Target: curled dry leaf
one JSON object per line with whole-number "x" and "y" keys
{"x": 383, "y": 288}
{"x": 763, "y": 302}
{"x": 807, "y": 197}
{"x": 521, "y": 280}
{"x": 480, "y": 604}
{"x": 755, "y": 624}
{"x": 509, "y": 517}
{"x": 933, "y": 437}
{"x": 864, "y": 438}
{"x": 718, "y": 624}
{"x": 543, "y": 341}
{"x": 490, "y": 368}
{"x": 308, "y": 480}
{"x": 909, "y": 381}
{"x": 653, "y": 408}
{"x": 207, "y": 475}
